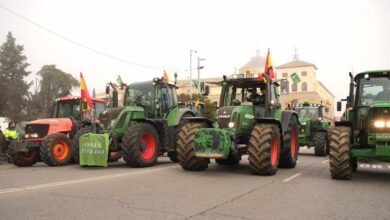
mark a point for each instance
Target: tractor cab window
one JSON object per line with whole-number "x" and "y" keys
{"x": 99, "y": 107}
{"x": 311, "y": 112}
{"x": 237, "y": 95}
{"x": 166, "y": 96}
{"x": 139, "y": 95}
{"x": 374, "y": 89}
{"x": 70, "y": 108}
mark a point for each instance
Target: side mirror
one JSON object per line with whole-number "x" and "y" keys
{"x": 107, "y": 89}
{"x": 206, "y": 91}
{"x": 115, "y": 99}
{"x": 338, "y": 106}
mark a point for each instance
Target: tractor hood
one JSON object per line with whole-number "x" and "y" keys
{"x": 241, "y": 117}
{"x": 303, "y": 119}
{"x": 44, "y": 127}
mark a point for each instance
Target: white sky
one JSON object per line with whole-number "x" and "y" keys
{"x": 337, "y": 36}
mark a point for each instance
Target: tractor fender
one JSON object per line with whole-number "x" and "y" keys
{"x": 200, "y": 119}
{"x": 270, "y": 121}
{"x": 176, "y": 115}
{"x": 285, "y": 119}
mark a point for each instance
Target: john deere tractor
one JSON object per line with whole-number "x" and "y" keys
{"x": 147, "y": 124}
{"x": 364, "y": 131}
{"x": 50, "y": 140}
{"x": 249, "y": 121}
{"x": 313, "y": 131}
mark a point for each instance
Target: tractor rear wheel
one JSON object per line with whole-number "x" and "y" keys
{"x": 231, "y": 160}
{"x": 264, "y": 149}
{"x": 339, "y": 160}
{"x": 186, "y": 148}
{"x": 76, "y": 143}
{"x": 289, "y": 153}
{"x": 320, "y": 143}
{"x": 56, "y": 150}
{"x": 140, "y": 145}
{"x": 22, "y": 159}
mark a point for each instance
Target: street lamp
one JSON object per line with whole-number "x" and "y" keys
{"x": 199, "y": 68}
{"x": 190, "y": 83}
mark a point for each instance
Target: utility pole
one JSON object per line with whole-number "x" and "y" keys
{"x": 199, "y": 68}
{"x": 190, "y": 83}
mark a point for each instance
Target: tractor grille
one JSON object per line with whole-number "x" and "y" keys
{"x": 224, "y": 115}
{"x": 40, "y": 129}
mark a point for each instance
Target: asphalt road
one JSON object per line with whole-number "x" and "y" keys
{"x": 165, "y": 191}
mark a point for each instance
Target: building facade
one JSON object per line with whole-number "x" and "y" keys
{"x": 308, "y": 89}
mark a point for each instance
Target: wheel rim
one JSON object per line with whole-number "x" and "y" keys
{"x": 274, "y": 150}
{"x": 150, "y": 146}
{"x": 293, "y": 142}
{"x": 61, "y": 150}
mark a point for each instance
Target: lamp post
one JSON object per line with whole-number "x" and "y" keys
{"x": 199, "y": 68}
{"x": 190, "y": 83}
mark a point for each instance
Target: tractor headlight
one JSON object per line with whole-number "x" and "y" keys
{"x": 27, "y": 136}
{"x": 319, "y": 118}
{"x": 303, "y": 123}
{"x": 231, "y": 124}
{"x": 379, "y": 124}
{"x": 34, "y": 135}
{"x": 112, "y": 123}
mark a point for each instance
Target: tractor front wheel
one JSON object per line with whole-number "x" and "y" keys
{"x": 264, "y": 149}
{"x": 289, "y": 154}
{"x": 140, "y": 145}
{"x": 320, "y": 143}
{"x": 339, "y": 160}
{"x": 186, "y": 148}
{"x": 22, "y": 159}
{"x": 56, "y": 150}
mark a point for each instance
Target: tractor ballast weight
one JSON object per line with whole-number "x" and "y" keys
{"x": 246, "y": 123}
{"x": 364, "y": 130}
{"x": 147, "y": 124}
{"x": 313, "y": 131}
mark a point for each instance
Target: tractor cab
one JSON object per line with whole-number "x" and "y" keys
{"x": 245, "y": 98}
{"x": 69, "y": 107}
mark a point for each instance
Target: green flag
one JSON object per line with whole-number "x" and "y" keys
{"x": 295, "y": 78}
{"x": 196, "y": 83}
{"x": 119, "y": 80}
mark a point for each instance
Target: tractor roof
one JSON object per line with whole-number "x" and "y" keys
{"x": 373, "y": 73}
{"x": 67, "y": 98}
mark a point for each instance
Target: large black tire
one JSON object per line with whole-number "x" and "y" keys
{"x": 320, "y": 143}
{"x": 289, "y": 153}
{"x": 56, "y": 150}
{"x": 140, "y": 145}
{"x": 173, "y": 154}
{"x": 264, "y": 149}
{"x": 186, "y": 148}
{"x": 339, "y": 160}
{"x": 22, "y": 159}
{"x": 76, "y": 142}
{"x": 3, "y": 143}
{"x": 230, "y": 161}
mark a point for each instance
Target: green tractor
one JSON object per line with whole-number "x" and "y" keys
{"x": 248, "y": 121}
{"x": 146, "y": 126}
{"x": 313, "y": 131}
{"x": 364, "y": 131}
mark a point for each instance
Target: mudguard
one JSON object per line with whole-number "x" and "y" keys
{"x": 286, "y": 116}
{"x": 174, "y": 117}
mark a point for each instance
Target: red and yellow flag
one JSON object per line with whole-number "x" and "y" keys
{"x": 268, "y": 66}
{"x": 86, "y": 101}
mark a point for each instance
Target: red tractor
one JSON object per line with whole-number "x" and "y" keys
{"x": 50, "y": 140}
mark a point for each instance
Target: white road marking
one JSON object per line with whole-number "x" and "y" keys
{"x": 297, "y": 161}
{"x": 363, "y": 165}
{"x": 388, "y": 166}
{"x": 325, "y": 161}
{"x": 377, "y": 166}
{"x": 47, "y": 185}
{"x": 291, "y": 177}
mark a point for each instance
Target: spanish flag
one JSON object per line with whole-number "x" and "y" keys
{"x": 166, "y": 78}
{"x": 268, "y": 66}
{"x": 85, "y": 98}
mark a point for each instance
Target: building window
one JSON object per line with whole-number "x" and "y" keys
{"x": 284, "y": 74}
{"x": 304, "y": 87}
{"x": 304, "y": 73}
{"x": 284, "y": 87}
{"x": 294, "y": 87}
{"x": 294, "y": 102}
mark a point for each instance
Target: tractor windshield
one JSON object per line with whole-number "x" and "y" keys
{"x": 69, "y": 108}
{"x": 373, "y": 89}
{"x": 235, "y": 95}
{"x": 140, "y": 94}
{"x": 311, "y": 112}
